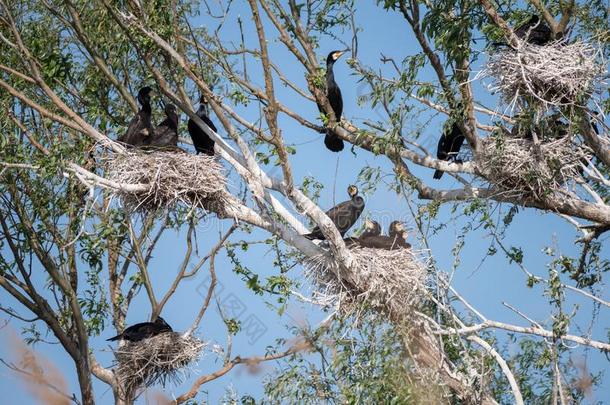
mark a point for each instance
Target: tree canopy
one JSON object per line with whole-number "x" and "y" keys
{"x": 94, "y": 231}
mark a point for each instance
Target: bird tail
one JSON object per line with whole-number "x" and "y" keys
{"x": 437, "y": 174}
{"x": 310, "y": 236}
{"x": 333, "y": 142}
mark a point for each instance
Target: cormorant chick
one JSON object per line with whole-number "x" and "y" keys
{"x": 202, "y": 142}
{"x": 398, "y": 233}
{"x": 332, "y": 141}
{"x": 343, "y": 215}
{"x": 166, "y": 134}
{"x": 140, "y": 127}
{"x": 395, "y": 240}
{"x": 371, "y": 228}
{"x": 534, "y": 31}
{"x": 144, "y": 330}
{"x": 449, "y": 146}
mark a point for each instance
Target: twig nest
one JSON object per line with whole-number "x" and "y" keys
{"x": 521, "y": 168}
{"x": 169, "y": 177}
{"x": 159, "y": 359}
{"x": 393, "y": 281}
{"x": 552, "y": 75}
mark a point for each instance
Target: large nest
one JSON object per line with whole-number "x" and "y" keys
{"x": 522, "y": 168}
{"x": 156, "y": 360}
{"x": 171, "y": 178}
{"x": 393, "y": 281}
{"x": 553, "y": 74}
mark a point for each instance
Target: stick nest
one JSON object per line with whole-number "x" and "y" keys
{"x": 158, "y": 359}
{"x": 172, "y": 178}
{"x": 523, "y": 169}
{"x": 554, "y": 74}
{"x": 393, "y": 281}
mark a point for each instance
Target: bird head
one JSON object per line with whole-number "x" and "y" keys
{"x": 145, "y": 94}
{"x": 333, "y": 56}
{"x": 161, "y": 321}
{"x": 352, "y": 190}
{"x": 534, "y": 19}
{"x": 397, "y": 228}
{"x": 170, "y": 109}
{"x": 203, "y": 100}
{"x": 372, "y": 227}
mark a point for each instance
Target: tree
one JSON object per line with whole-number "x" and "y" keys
{"x": 76, "y": 260}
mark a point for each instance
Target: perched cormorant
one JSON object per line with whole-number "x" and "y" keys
{"x": 202, "y": 142}
{"x": 144, "y": 330}
{"x": 140, "y": 127}
{"x": 395, "y": 240}
{"x": 332, "y": 141}
{"x": 166, "y": 134}
{"x": 449, "y": 146}
{"x": 343, "y": 215}
{"x": 534, "y": 31}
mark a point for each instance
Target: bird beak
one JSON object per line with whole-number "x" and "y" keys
{"x": 340, "y": 53}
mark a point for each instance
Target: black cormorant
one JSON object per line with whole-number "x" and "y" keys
{"x": 144, "y": 330}
{"x": 534, "y": 31}
{"x": 202, "y": 142}
{"x": 166, "y": 134}
{"x": 449, "y": 146}
{"x": 343, "y": 215}
{"x": 140, "y": 127}
{"x": 332, "y": 141}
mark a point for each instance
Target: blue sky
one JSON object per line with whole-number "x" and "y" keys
{"x": 485, "y": 285}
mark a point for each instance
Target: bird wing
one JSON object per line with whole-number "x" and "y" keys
{"x": 139, "y": 129}
{"x": 345, "y": 215}
{"x": 442, "y": 149}
{"x": 336, "y": 101}
{"x": 164, "y": 135}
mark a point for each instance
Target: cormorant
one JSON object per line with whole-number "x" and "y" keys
{"x": 166, "y": 134}
{"x": 140, "y": 127}
{"x": 144, "y": 330}
{"x": 534, "y": 31}
{"x": 371, "y": 228}
{"x": 202, "y": 142}
{"x": 449, "y": 146}
{"x": 398, "y": 233}
{"x": 343, "y": 215}
{"x": 332, "y": 141}
{"x": 395, "y": 240}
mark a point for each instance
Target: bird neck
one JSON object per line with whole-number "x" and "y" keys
{"x": 173, "y": 118}
{"x": 357, "y": 202}
{"x": 203, "y": 110}
{"x": 146, "y": 107}
{"x": 330, "y": 75}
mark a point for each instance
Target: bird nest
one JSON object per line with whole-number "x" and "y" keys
{"x": 521, "y": 168}
{"x": 393, "y": 281}
{"x": 156, "y": 360}
{"x": 169, "y": 178}
{"x": 552, "y": 75}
